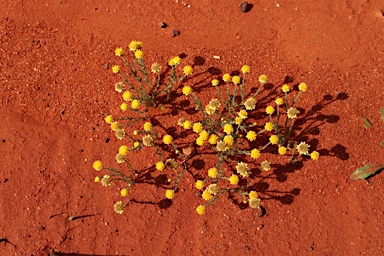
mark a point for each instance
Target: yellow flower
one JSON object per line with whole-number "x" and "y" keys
{"x": 213, "y": 139}
{"x": 226, "y": 77}
{"x": 124, "y": 192}
{"x": 200, "y": 141}
{"x": 127, "y": 96}
{"x": 268, "y": 126}
{"x": 236, "y": 79}
{"x": 285, "y": 88}
{"x": 147, "y": 126}
{"x": 124, "y": 106}
{"x": 269, "y": 110}
{"x": 250, "y": 103}
{"x": 315, "y": 155}
{"x": 245, "y": 69}
{"x": 114, "y": 126}
{"x": 135, "y": 45}
{"x": 251, "y": 135}
{"x": 174, "y": 61}
{"x": 199, "y": 184}
{"x": 303, "y": 148}
{"x": 292, "y": 112}
{"x": 212, "y": 172}
{"x": 97, "y": 179}
{"x": 120, "y": 158}
{"x": 135, "y": 132}
{"x": 234, "y": 179}
{"x": 243, "y": 114}
{"x": 238, "y": 120}
{"x": 263, "y": 79}
{"x": 187, "y": 90}
{"x": 282, "y": 150}
{"x": 155, "y": 67}
{"x": 187, "y": 125}
{"x": 204, "y": 135}
{"x": 274, "y": 139}
{"x": 303, "y": 87}
{"x": 160, "y": 166}
{"x": 228, "y": 139}
{"x": 253, "y": 195}
{"x": 119, "y": 51}
{"x": 228, "y": 128}
{"x": 254, "y": 203}
{"x": 197, "y": 127}
{"x": 206, "y": 195}
{"x": 115, "y": 69}
{"x": 213, "y": 189}
{"x": 119, "y": 207}
{"x": 123, "y": 150}
{"x": 136, "y": 144}
{"x": 97, "y": 165}
{"x": 106, "y": 180}
{"x": 265, "y": 165}
{"x": 139, "y": 54}
{"x": 170, "y": 194}
{"x": 119, "y": 86}
{"x": 135, "y": 104}
{"x": 187, "y": 70}
{"x": 167, "y": 139}
{"x": 215, "y": 82}
{"x": 279, "y": 101}
{"x": 120, "y": 133}
{"x": 109, "y": 119}
{"x": 255, "y": 153}
{"x": 200, "y": 209}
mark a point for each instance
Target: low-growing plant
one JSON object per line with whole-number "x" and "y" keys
{"x": 226, "y": 126}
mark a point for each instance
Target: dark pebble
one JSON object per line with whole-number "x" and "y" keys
{"x": 244, "y": 6}
{"x": 175, "y": 33}
{"x": 105, "y": 66}
{"x": 163, "y": 25}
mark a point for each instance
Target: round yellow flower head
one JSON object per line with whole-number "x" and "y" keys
{"x": 119, "y": 51}
{"x": 97, "y": 165}
{"x": 245, "y": 69}
{"x": 238, "y": 120}
{"x": 215, "y": 82}
{"x": 119, "y": 86}
{"x": 115, "y": 126}
{"x": 124, "y": 192}
{"x": 292, "y": 112}
{"x": 123, "y": 150}
{"x": 279, "y": 101}
{"x": 160, "y": 166}
{"x": 136, "y": 144}
{"x": 243, "y": 114}
{"x": 250, "y": 104}
{"x": 135, "y": 104}
{"x": 199, "y": 184}
{"x": 204, "y": 135}
{"x": 243, "y": 169}
{"x": 303, "y": 87}
{"x": 167, "y": 139}
{"x": 97, "y": 179}
{"x": 139, "y": 54}
{"x": 119, "y": 207}
{"x": 268, "y": 126}
{"x": 200, "y": 209}
{"x": 147, "y": 126}
{"x": 170, "y": 194}
{"x": 228, "y": 139}
{"x": 213, "y": 139}
{"x": 234, "y": 179}
{"x": 115, "y": 69}
{"x": 282, "y": 150}
{"x": 265, "y": 165}
{"x": 147, "y": 140}
{"x": 255, "y": 153}
{"x": 106, "y": 180}
{"x": 197, "y": 127}
{"x": 228, "y": 128}
{"x": 315, "y": 155}
{"x": 285, "y": 88}
{"x": 274, "y": 139}
{"x": 269, "y": 110}
{"x": 206, "y": 195}
{"x": 253, "y": 195}
{"x": 213, "y": 189}
{"x": 120, "y": 133}
{"x": 187, "y": 70}
{"x": 187, "y": 90}
{"x": 200, "y": 141}
{"x": 109, "y": 119}
{"x": 155, "y": 67}
{"x": 174, "y": 61}
{"x": 254, "y": 203}
{"x": 135, "y": 45}
{"x": 251, "y": 135}
{"x": 124, "y": 106}
{"x": 236, "y": 79}
{"x": 263, "y": 79}
{"x": 135, "y": 132}
{"x": 226, "y": 77}
{"x": 187, "y": 125}
{"x": 303, "y": 148}
{"x": 127, "y": 96}
{"x": 212, "y": 172}
{"x": 120, "y": 158}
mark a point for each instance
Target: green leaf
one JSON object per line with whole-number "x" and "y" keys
{"x": 382, "y": 143}
{"x": 382, "y": 113}
{"x": 366, "y": 171}
{"x": 367, "y": 124}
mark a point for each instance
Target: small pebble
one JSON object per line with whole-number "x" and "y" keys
{"x": 105, "y": 66}
{"x": 244, "y": 6}
{"x": 163, "y": 25}
{"x": 175, "y": 33}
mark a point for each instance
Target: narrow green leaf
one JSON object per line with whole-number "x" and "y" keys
{"x": 366, "y": 171}
{"x": 382, "y": 113}
{"x": 382, "y": 143}
{"x": 367, "y": 124}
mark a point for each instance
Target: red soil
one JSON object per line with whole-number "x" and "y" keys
{"x": 55, "y": 94}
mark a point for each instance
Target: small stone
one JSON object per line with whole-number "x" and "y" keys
{"x": 163, "y": 25}
{"x": 244, "y": 6}
{"x": 175, "y": 33}
{"x": 105, "y": 66}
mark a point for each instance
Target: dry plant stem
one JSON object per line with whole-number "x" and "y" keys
{"x": 257, "y": 92}
{"x": 242, "y": 89}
